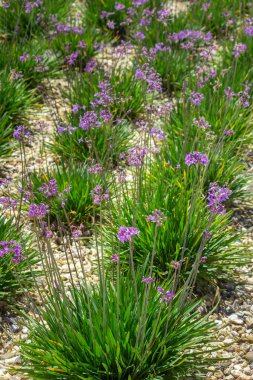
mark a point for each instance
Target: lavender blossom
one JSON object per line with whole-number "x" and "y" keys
{"x": 238, "y": 50}
{"x": 12, "y": 249}
{"x": 126, "y": 233}
{"x": 201, "y": 123}
{"x": 147, "y": 280}
{"x": 166, "y": 296}
{"x": 196, "y": 98}
{"x": 49, "y": 189}
{"x": 38, "y": 211}
{"x": 195, "y": 158}
{"x": 99, "y": 195}
{"x": 216, "y": 196}
{"x": 157, "y": 217}
{"x": 22, "y": 134}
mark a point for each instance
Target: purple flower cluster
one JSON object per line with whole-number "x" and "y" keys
{"x": 166, "y": 296}
{"x": 14, "y": 75}
{"x": 157, "y": 217}
{"x": 249, "y": 27}
{"x": 12, "y": 249}
{"x": 98, "y": 195}
{"x": 216, "y": 196}
{"x": 95, "y": 169}
{"x": 239, "y": 49}
{"x": 8, "y": 202}
{"x": 49, "y": 189}
{"x": 25, "y": 57}
{"x": 136, "y": 156}
{"x": 66, "y": 29}
{"x": 72, "y": 58}
{"x": 65, "y": 128}
{"x": 115, "y": 258}
{"x": 191, "y": 35}
{"x": 150, "y": 76}
{"x": 195, "y": 158}
{"x": 126, "y": 233}
{"x": 196, "y": 98}
{"x": 157, "y": 133}
{"x": 38, "y": 211}
{"x": 201, "y": 123}
{"x": 29, "y": 6}
{"x": 22, "y": 133}
{"x": 147, "y": 280}
{"x": 89, "y": 120}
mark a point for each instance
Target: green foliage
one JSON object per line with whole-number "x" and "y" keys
{"x": 15, "y": 100}
{"x": 17, "y": 23}
{"x": 79, "y": 205}
{"x": 107, "y": 143}
{"x": 15, "y": 278}
{"x": 130, "y": 94}
{"x": 216, "y": 18}
{"x": 77, "y": 342}
{"x": 63, "y": 45}
{"x": 39, "y": 65}
{"x": 179, "y": 238}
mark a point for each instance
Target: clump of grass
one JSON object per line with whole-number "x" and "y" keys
{"x": 16, "y": 277}
{"x": 82, "y": 337}
{"x": 15, "y": 101}
{"x": 76, "y": 205}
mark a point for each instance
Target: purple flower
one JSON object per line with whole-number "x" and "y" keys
{"x": 95, "y": 169}
{"x": 166, "y": 296}
{"x": 82, "y": 44}
{"x": 38, "y": 211}
{"x": 195, "y": 158}
{"x": 203, "y": 259}
{"x": 119, "y": 6}
{"x": 91, "y": 66}
{"x": 205, "y": 7}
{"x": 196, "y": 98}
{"x": 229, "y": 94}
{"x": 176, "y": 264}
{"x": 157, "y": 133}
{"x": 216, "y": 196}
{"x": 75, "y": 108}
{"x": 157, "y": 217}
{"x": 239, "y": 49}
{"x": 23, "y": 134}
{"x": 229, "y": 132}
{"x": 99, "y": 195}
{"x": 14, "y": 75}
{"x": 110, "y": 24}
{"x": 71, "y": 59}
{"x": 139, "y": 35}
{"x": 12, "y": 249}
{"x": 89, "y": 121}
{"x": 249, "y": 30}
{"x": 126, "y": 233}
{"x": 50, "y": 189}
{"x": 201, "y": 123}
{"x": 23, "y": 58}
{"x": 147, "y": 280}
{"x": 115, "y": 258}
{"x": 136, "y": 156}
{"x": 76, "y": 231}
{"x": 163, "y": 15}
{"x": 64, "y": 127}
{"x": 8, "y": 202}
{"x": 138, "y": 3}
{"x": 150, "y": 76}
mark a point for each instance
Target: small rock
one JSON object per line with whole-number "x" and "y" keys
{"x": 249, "y": 357}
{"x": 235, "y": 319}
